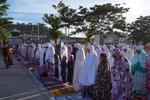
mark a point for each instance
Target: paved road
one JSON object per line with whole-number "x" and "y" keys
{"x": 17, "y": 84}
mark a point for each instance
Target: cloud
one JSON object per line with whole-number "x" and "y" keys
{"x": 36, "y": 6}
{"x": 137, "y": 7}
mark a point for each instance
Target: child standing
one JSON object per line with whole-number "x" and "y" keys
{"x": 63, "y": 68}
{"x": 70, "y": 69}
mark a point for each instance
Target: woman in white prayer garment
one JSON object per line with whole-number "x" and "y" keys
{"x": 80, "y": 57}
{"x": 89, "y": 70}
{"x": 98, "y": 51}
{"x": 37, "y": 54}
{"x": 43, "y": 50}
{"x": 63, "y": 51}
{"x": 24, "y": 50}
{"x": 127, "y": 52}
{"x": 49, "y": 57}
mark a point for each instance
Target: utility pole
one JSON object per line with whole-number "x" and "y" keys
{"x": 38, "y": 29}
{"x": 38, "y": 32}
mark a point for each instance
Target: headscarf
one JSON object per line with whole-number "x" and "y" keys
{"x": 89, "y": 69}
{"x": 80, "y": 57}
{"x": 129, "y": 53}
{"x": 109, "y": 56}
{"x": 98, "y": 51}
{"x": 117, "y": 52}
{"x": 121, "y": 75}
{"x": 31, "y": 50}
{"x": 69, "y": 47}
{"x": 80, "y": 53}
{"x": 50, "y": 53}
{"x": 63, "y": 51}
{"x": 38, "y": 51}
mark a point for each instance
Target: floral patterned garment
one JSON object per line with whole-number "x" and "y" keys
{"x": 121, "y": 80}
{"x": 103, "y": 84}
{"x": 147, "y": 64}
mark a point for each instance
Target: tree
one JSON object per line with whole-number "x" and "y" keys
{"x": 66, "y": 14}
{"x": 140, "y": 29}
{"x": 96, "y": 19}
{"x": 4, "y": 34}
{"x": 101, "y": 18}
{"x": 55, "y": 34}
{"x": 55, "y": 23}
{"x": 4, "y": 21}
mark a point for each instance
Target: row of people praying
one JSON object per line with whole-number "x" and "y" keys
{"x": 112, "y": 72}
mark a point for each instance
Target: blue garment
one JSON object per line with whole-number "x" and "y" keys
{"x": 139, "y": 73}
{"x": 138, "y": 62}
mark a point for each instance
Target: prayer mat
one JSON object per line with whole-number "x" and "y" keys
{"x": 50, "y": 81}
{"x": 19, "y": 58}
{"x": 55, "y": 87}
{"x": 27, "y": 64}
{"x": 62, "y": 91}
{"x": 73, "y": 96}
{"x": 140, "y": 98}
{"x": 35, "y": 74}
{"x": 47, "y": 79}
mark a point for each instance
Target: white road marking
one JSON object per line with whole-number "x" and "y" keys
{"x": 20, "y": 94}
{"x": 32, "y": 96}
{"x": 2, "y": 82}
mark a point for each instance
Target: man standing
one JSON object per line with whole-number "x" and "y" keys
{"x": 5, "y": 54}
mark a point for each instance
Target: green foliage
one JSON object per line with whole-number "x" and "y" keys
{"x": 102, "y": 18}
{"x": 96, "y": 19}
{"x": 4, "y": 34}
{"x": 52, "y": 20}
{"x": 55, "y": 22}
{"x": 107, "y": 16}
{"x": 4, "y": 21}
{"x": 140, "y": 29}
{"x": 86, "y": 40}
{"x": 55, "y": 34}
{"x": 3, "y": 7}
{"x": 67, "y": 15}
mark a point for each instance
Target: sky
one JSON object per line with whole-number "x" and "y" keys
{"x": 33, "y": 10}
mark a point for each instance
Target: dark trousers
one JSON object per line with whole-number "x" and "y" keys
{"x": 56, "y": 72}
{"x": 63, "y": 75}
{"x": 37, "y": 62}
{"x": 87, "y": 91}
{"x": 5, "y": 58}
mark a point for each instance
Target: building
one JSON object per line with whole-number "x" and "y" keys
{"x": 72, "y": 40}
{"x": 110, "y": 38}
